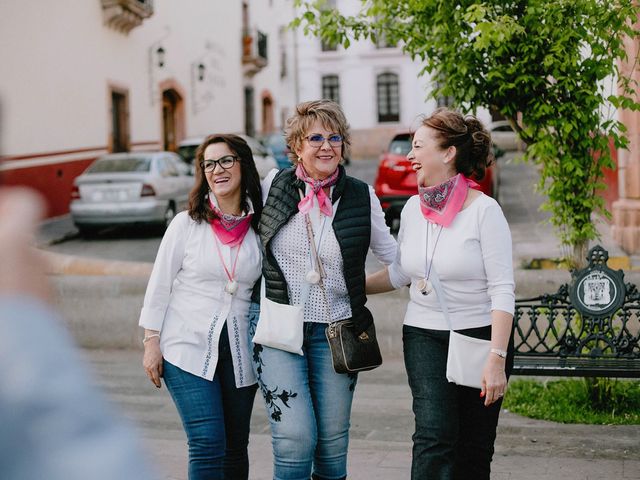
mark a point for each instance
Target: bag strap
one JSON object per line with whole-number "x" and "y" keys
{"x": 306, "y": 288}
{"x": 437, "y": 286}
{"x": 314, "y": 252}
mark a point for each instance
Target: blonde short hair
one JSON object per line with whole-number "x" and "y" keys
{"x": 328, "y": 113}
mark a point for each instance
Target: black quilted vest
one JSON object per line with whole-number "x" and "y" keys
{"x": 351, "y": 225}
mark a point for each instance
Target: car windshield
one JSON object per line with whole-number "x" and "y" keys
{"x": 188, "y": 152}
{"x": 130, "y": 164}
{"x": 254, "y": 145}
{"x": 400, "y": 145}
{"x": 276, "y": 142}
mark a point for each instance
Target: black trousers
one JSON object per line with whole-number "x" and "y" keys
{"x": 454, "y": 431}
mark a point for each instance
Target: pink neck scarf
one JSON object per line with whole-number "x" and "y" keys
{"x": 441, "y": 203}
{"x": 324, "y": 202}
{"x": 229, "y": 229}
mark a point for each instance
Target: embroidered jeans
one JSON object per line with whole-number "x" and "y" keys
{"x": 216, "y": 416}
{"x": 308, "y": 404}
{"x": 454, "y": 431}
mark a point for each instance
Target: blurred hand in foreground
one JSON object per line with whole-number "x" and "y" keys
{"x": 22, "y": 268}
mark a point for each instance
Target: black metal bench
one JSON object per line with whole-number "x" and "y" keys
{"x": 588, "y": 328}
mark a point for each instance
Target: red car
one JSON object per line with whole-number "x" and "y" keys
{"x": 396, "y": 180}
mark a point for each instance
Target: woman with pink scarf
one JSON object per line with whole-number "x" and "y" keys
{"x": 317, "y": 226}
{"x": 454, "y": 242}
{"x": 196, "y": 305}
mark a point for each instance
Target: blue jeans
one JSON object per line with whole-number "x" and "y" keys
{"x": 216, "y": 417}
{"x": 454, "y": 431}
{"x": 308, "y": 404}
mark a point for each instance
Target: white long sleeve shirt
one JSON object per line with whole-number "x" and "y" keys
{"x": 472, "y": 258}
{"x": 186, "y": 301}
{"x": 291, "y": 249}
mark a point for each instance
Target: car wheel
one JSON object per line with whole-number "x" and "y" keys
{"x": 87, "y": 231}
{"x": 388, "y": 217}
{"x": 169, "y": 214}
{"x": 392, "y": 219}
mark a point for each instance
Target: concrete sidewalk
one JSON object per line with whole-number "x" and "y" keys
{"x": 382, "y": 424}
{"x": 382, "y": 421}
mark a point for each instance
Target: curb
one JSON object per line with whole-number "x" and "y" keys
{"x": 59, "y": 264}
{"x": 614, "y": 263}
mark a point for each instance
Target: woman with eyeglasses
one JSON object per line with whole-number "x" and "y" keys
{"x": 316, "y": 228}
{"x": 196, "y": 306}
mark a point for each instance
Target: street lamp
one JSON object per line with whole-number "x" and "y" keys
{"x": 160, "y": 53}
{"x": 156, "y": 59}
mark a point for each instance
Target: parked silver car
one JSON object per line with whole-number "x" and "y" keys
{"x": 130, "y": 188}
{"x": 504, "y": 137}
{"x": 265, "y": 161}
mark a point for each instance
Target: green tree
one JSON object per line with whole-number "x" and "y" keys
{"x": 550, "y": 67}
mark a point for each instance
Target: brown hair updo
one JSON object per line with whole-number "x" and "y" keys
{"x": 471, "y": 139}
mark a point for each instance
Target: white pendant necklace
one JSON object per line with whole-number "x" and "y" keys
{"x": 312, "y": 277}
{"x": 316, "y": 272}
{"x": 231, "y": 287}
{"x": 424, "y": 285}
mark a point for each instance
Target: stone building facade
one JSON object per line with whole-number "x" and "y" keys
{"x": 626, "y": 210}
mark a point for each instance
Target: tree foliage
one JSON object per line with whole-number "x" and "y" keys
{"x": 550, "y": 67}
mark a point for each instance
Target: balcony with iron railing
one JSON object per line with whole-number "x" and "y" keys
{"x": 254, "y": 52}
{"x": 125, "y": 15}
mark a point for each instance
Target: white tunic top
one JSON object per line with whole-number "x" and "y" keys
{"x": 472, "y": 258}
{"x": 291, "y": 249}
{"x": 186, "y": 301}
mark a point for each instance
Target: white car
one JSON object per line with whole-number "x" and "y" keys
{"x": 504, "y": 137}
{"x": 130, "y": 188}
{"x": 265, "y": 161}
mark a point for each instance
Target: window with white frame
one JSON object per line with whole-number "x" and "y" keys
{"x": 441, "y": 100}
{"x": 331, "y": 88}
{"x": 388, "y": 96}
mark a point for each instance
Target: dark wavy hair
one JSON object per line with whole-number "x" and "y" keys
{"x": 471, "y": 139}
{"x": 199, "y": 209}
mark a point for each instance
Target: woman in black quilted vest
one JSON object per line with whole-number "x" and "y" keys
{"x": 317, "y": 226}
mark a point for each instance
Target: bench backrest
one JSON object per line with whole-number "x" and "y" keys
{"x": 594, "y": 316}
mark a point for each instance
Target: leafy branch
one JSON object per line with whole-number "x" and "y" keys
{"x": 543, "y": 65}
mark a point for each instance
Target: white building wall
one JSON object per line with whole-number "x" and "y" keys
{"x": 357, "y": 68}
{"x": 60, "y": 63}
{"x": 46, "y": 92}
{"x": 273, "y": 17}
{"x": 207, "y": 33}
{"x": 58, "y": 60}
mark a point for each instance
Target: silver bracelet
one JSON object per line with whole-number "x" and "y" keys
{"x": 500, "y": 353}
{"x": 149, "y": 337}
